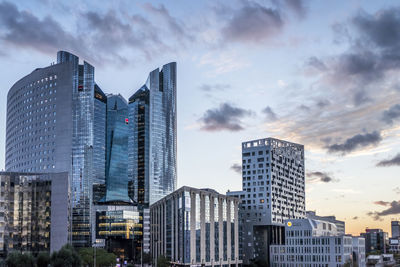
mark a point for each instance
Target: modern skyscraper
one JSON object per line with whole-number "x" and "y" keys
{"x": 152, "y": 138}
{"x": 117, "y": 150}
{"x": 52, "y": 126}
{"x": 273, "y": 191}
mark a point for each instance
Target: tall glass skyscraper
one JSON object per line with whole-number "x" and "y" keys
{"x": 117, "y": 149}
{"x": 152, "y": 138}
{"x": 56, "y": 123}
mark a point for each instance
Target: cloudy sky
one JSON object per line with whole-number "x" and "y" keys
{"x": 321, "y": 73}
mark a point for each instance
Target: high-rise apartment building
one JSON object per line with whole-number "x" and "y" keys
{"x": 273, "y": 191}
{"x": 152, "y": 139}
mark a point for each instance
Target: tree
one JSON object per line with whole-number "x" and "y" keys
{"x": 66, "y": 257}
{"x": 162, "y": 261}
{"x": 43, "y": 259}
{"x": 17, "y": 259}
{"x": 103, "y": 258}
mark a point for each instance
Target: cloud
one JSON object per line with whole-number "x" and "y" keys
{"x": 394, "y": 209}
{"x": 391, "y": 114}
{"x": 317, "y": 177}
{"x": 382, "y": 203}
{"x": 253, "y": 23}
{"x": 356, "y": 142}
{"x": 225, "y": 117}
{"x": 396, "y": 190}
{"x": 270, "y": 114}
{"x": 214, "y": 87}
{"x": 316, "y": 63}
{"x": 323, "y": 103}
{"x": 23, "y": 29}
{"x": 297, "y": 6}
{"x": 390, "y": 162}
{"x": 102, "y": 36}
{"x": 236, "y": 168}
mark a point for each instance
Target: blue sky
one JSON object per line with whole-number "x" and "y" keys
{"x": 320, "y": 73}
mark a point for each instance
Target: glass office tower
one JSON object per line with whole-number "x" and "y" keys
{"x": 152, "y": 138}
{"x": 56, "y": 123}
{"x": 117, "y": 149}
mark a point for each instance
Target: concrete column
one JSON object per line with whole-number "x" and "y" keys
{"x": 221, "y": 232}
{"x": 176, "y": 236}
{"x": 202, "y": 229}
{"x": 192, "y": 228}
{"x": 212, "y": 231}
{"x": 172, "y": 229}
{"x": 228, "y": 230}
{"x": 236, "y": 232}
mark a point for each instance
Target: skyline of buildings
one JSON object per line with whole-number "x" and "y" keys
{"x": 279, "y": 71}
{"x": 123, "y": 161}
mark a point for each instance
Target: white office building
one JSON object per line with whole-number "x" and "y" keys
{"x": 312, "y": 243}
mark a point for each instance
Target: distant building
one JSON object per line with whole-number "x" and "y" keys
{"x": 340, "y": 225}
{"x": 395, "y": 229}
{"x": 375, "y": 240}
{"x": 34, "y": 213}
{"x": 196, "y": 227}
{"x": 310, "y": 242}
{"x": 273, "y": 191}
{"x": 382, "y": 260}
{"x": 394, "y": 245}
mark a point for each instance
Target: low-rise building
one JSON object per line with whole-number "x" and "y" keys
{"x": 375, "y": 240}
{"x": 196, "y": 227}
{"x": 34, "y": 212}
{"x": 383, "y": 260}
{"x": 310, "y": 242}
{"x": 340, "y": 225}
{"x": 394, "y": 245}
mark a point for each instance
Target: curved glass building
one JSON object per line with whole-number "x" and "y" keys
{"x": 117, "y": 150}
{"x": 55, "y": 123}
{"x": 152, "y": 142}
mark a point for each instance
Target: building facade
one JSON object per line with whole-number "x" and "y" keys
{"x": 310, "y": 242}
{"x": 55, "y": 123}
{"x": 340, "y": 225}
{"x": 375, "y": 240}
{"x": 273, "y": 191}
{"x": 152, "y": 139}
{"x": 196, "y": 227}
{"x": 34, "y": 213}
{"x": 395, "y": 225}
{"x": 394, "y": 245}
